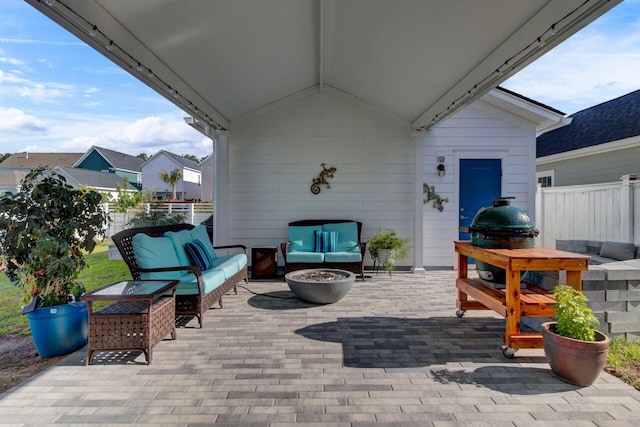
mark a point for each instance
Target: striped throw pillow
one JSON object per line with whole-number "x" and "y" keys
{"x": 326, "y": 241}
{"x": 199, "y": 255}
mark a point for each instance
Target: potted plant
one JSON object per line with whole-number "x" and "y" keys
{"x": 575, "y": 349}
{"x": 45, "y": 231}
{"x": 387, "y": 247}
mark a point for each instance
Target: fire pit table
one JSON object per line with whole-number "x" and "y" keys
{"x": 321, "y": 285}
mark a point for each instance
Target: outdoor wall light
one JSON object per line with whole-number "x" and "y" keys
{"x": 440, "y": 168}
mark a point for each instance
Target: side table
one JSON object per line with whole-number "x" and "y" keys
{"x": 264, "y": 262}
{"x": 143, "y": 313}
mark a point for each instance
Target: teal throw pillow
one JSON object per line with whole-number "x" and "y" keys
{"x": 200, "y": 233}
{"x": 347, "y": 234}
{"x": 303, "y": 238}
{"x": 156, "y": 252}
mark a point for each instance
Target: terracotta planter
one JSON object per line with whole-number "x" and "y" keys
{"x": 575, "y": 361}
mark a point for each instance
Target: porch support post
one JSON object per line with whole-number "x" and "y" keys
{"x": 539, "y": 217}
{"x": 221, "y": 191}
{"x": 626, "y": 208}
{"x": 418, "y": 212}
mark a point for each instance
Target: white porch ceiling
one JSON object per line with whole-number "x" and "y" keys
{"x": 416, "y": 59}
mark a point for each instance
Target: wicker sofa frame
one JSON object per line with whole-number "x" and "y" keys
{"x": 354, "y": 267}
{"x": 186, "y": 305}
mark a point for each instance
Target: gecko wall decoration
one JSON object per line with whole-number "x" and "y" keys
{"x": 322, "y": 178}
{"x": 430, "y": 191}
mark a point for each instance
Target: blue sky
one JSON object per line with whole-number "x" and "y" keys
{"x": 597, "y": 64}
{"x": 57, "y": 94}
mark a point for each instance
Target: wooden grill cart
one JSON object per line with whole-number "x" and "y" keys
{"x": 512, "y": 302}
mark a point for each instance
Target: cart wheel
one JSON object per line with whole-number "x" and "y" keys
{"x": 508, "y": 352}
{"x": 460, "y": 313}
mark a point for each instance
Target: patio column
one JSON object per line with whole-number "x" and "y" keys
{"x": 221, "y": 190}
{"x": 418, "y": 210}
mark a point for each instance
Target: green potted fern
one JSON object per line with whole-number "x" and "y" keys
{"x": 386, "y": 247}
{"x": 575, "y": 349}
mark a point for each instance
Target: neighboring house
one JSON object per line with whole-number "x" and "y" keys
{"x": 15, "y": 167}
{"x": 207, "y": 174}
{"x": 102, "y": 182}
{"x": 188, "y": 188}
{"x": 601, "y": 144}
{"x": 105, "y": 160}
{"x": 30, "y": 161}
{"x": 10, "y": 182}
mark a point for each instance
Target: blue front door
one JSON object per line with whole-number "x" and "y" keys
{"x": 480, "y": 183}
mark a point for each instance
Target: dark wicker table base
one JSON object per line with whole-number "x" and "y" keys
{"x": 131, "y": 325}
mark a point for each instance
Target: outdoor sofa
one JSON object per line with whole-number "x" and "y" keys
{"x": 183, "y": 252}
{"x": 338, "y": 247}
{"x": 601, "y": 252}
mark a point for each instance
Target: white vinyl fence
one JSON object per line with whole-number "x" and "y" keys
{"x": 194, "y": 213}
{"x": 608, "y": 211}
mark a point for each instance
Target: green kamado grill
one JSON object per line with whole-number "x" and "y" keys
{"x": 500, "y": 226}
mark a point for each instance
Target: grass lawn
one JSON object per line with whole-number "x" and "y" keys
{"x": 100, "y": 271}
{"x": 623, "y": 361}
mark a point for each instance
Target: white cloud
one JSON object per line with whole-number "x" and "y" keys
{"x": 595, "y": 65}
{"x": 14, "y": 86}
{"x": 147, "y": 135}
{"x": 13, "y": 121}
{"x": 11, "y": 61}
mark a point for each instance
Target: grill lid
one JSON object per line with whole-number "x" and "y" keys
{"x": 503, "y": 220}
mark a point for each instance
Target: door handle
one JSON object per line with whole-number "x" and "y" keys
{"x": 463, "y": 217}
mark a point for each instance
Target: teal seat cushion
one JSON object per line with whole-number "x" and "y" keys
{"x": 179, "y": 239}
{"x": 343, "y": 256}
{"x": 303, "y": 238}
{"x": 156, "y": 252}
{"x": 347, "y": 234}
{"x": 182, "y": 237}
{"x": 311, "y": 257}
{"x": 241, "y": 259}
{"x": 200, "y": 233}
{"x": 189, "y": 284}
{"x": 228, "y": 264}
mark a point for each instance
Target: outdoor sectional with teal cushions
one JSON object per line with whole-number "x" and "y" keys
{"x": 183, "y": 252}
{"x": 324, "y": 244}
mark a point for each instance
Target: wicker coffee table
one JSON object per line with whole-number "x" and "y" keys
{"x": 143, "y": 313}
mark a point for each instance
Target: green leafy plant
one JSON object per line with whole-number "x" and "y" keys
{"x": 172, "y": 178}
{"x": 126, "y": 199}
{"x": 575, "y": 318}
{"x": 45, "y": 231}
{"x": 388, "y": 239}
{"x": 156, "y": 216}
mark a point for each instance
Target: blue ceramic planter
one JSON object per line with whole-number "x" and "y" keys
{"x": 60, "y": 329}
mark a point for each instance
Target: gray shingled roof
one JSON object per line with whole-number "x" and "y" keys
{"x": 12, "y": 178}
{"x": 533, "y": 101}
{"x": 92, "y": 178}
{"x": 188, "y": 163}
{"x": 610, "y": 121}
{"x": 34, "y": 160}
{"x": 120, "y": 160}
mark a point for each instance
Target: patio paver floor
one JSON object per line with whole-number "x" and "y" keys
{"x": 391, "y": 352}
